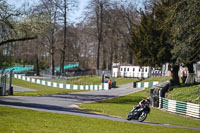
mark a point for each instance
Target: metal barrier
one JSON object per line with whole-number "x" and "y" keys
{"x": 157, "y": 91}
{"x": 179, "y": 107}
{"x": 6, "y": 83}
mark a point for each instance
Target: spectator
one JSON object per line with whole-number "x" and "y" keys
{"x": 183, "y": 76}
{"x": 110, "y": 84}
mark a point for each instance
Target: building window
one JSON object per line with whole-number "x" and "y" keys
{"x": 142, "y": 69}
{"x": 127, "y": 69}
{"x": 133, "y": 69}
{"x": 121, "y": 69}
{"x": 139, "y": 69}
{"x": 146, "y": 70}
{"x": 124, "y": 69}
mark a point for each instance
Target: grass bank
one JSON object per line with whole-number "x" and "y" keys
{"x": 185, "y": 93}
{"x": 157, "y": 79}
{"x": 40, "y": 89}
{"x": 23, "y": 121}
{"x": 120, "y": 106}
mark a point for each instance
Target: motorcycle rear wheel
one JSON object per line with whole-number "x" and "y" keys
{"x": 142, "y": 117}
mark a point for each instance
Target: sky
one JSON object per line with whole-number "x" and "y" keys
{"x": 74, "y": 17}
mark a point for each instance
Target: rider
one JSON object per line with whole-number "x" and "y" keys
{"x": 141, "y": 103}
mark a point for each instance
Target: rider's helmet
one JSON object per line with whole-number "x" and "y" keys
{"x": 147, "y": 100}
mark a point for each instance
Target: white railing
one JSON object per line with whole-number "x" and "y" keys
{"x": 103, "y": 86}
{"x": 179, "y": 107}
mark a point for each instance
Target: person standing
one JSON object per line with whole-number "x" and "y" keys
{"x": 110, "y": 84}
{"x": 184, "y": 75}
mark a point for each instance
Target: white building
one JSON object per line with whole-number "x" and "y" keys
{"x": 131, "y": 71}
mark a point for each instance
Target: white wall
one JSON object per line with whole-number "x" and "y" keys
{"x": 114, "y": 72}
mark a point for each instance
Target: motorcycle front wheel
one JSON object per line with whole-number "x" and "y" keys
{"x": 142, "y": 117}
{"x": 129, "y": 116}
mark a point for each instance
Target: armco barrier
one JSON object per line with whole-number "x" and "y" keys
{"x": 103, "y": 86}
{"x": 184, "y": 108}
{"x": 144, "y": 84}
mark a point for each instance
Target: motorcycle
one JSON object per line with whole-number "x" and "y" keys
{"x": 139, "y": 113}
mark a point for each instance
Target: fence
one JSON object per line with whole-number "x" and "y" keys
{"x": 48, "y": 73}
{"x": 103, "y": 72}
{"x": 179, "y": 107}
{"x": 103, "y": 86}
{"x": 144, "y": 84}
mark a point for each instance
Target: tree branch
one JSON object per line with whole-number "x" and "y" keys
{"x": 17, "y": 40}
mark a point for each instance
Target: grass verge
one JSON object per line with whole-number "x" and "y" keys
{"x": 78, "y": 80}
{"x": 121, "y": 81}
{"x": 40, "y": 89}
{"x": 23, "y": 121}
{"x": 185, "y": 93}
{"x": 120, "y": 106}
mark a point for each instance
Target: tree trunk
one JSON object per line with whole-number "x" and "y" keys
{"x": 52, "y": 44}
{"x": 62, "y": 62}
{"x": 65, "y": 39}
{"x": 99, "y": 15}
{"x": 52, "y": 63}
{"x": 52, "y": 51}
{"x": 98, "y": 55}
{"x": 37, "y": 65}
{"x": 123, "y": 58}
{"x": 104, "y": 58}
{"x": 190, "y": 68}
{"x": 111, "y": 58}
{"x": 130, "y": 56}
{"x": 175, "y": 77}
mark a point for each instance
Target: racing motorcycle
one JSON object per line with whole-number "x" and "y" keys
{"x": 139, "y": 113}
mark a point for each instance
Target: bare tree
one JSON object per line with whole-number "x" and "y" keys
{"x": 67, "y": 6}
{"x": 33, "y": 51}
{"x": 95, "y": 15}
{"x": 49, "y": 8}
{"x": 86, "y": 43}
{"x": 129, "y": 18}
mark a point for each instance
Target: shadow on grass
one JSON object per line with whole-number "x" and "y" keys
{"x": 124, "y": 100}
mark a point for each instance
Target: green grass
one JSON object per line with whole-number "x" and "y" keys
{"x": 185, "y": 93}
{"x": 79, "y": 80}
{"x": 120, "y": 106}
{"x": 157, "y": 79}
{"x": 85, "y": 80}
{"x": 40, "y": 89}
{"x": 14, "y": 120}
{"x": 121, "y": 81}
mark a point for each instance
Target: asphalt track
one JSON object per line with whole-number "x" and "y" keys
{"x": 18, "y": 88}
{"x": 67, "y": 103}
